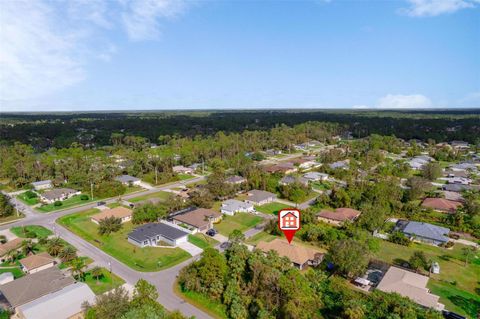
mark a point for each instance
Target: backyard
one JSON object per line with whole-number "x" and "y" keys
{"x": 457, "y": 284}
{"x": 271, "y": 208}
{"x": 116, "y": 244}
{"x": 240, "y": 221}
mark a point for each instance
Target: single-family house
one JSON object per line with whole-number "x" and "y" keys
{"x": 40, "y": 185}
{"x": 180, "y": 169}
{"x": 300, "y": 256}
{"x": 457, "y": 197}
{"x": 411, "y": 285}
{"x": 10, "y": 245}
{"x": 121, "y": 212}
{"x": 457, "y": 173}
{"x": 258, "y": 197}
{"x": 290, "y": 179}
{"x": 316, "y": 176}
{"x": 235, "y": 180}
{"x": 339, "y": 216}
{"x": 465, "y": 166}
{"x": 36, "y": 263}
{"x": 456, "y": 187}
{"x": 58, "y": 194}
{"x": 199, "y": 219}
{"x": 424, "y": 232}
{"x": 458, "y": 180}
{"x": 155, "y": 233}
{"x": 284, "y": 169}
{"x": 305, "y": 162}
{"x": 232, "y": 206}
{"x": 460, "y": 145}
{"x": 128, "y": 180}
{"x": 441, "y": 204}
{"x": 339, "y": 165}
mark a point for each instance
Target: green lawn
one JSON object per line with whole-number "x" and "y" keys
{"x": 240, "y": 221}
{"x": 87, "y": 261}
{"x": 215, "y": 309}
{"x": 271, "y": 208}
{"x": 106, "y": 282}
{"x": 16, "y": 271}
{"x": 40, "y": 231}
{"x": 262, "y": 236}
{"x": 321, "y": 186}
{"x": 73, "y": 201}
{"x": 184, "y": 177}
{"x": 202, "y": 241}
{"x": 133, "y": 189}
{"x": 29, "y": 201}
{"x": 161, "y": 195}
{"x": 465, "y": 279}
{"x": 116, "y": 244}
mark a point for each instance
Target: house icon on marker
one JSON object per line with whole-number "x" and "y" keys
{"x": 289, "y": 220}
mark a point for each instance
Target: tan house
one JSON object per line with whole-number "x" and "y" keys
{"x": 441, "y": 204}
{"x": 9, "y": 246}
{"x": 411, "y": 285}
{"x": 339, "y": 216}
{"x": 35, "y": 263}
{"x": 199, "y": 219}
{"x": 300, "y": 256}
{"x": 123, "y": 213}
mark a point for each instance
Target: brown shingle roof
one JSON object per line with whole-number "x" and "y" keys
{"x": 31, "y": 287}
{"x": 118, "y": 212}
{"x": 340, "y": 214}
{"x": 441, "y": 204}
{"x": 9, "y": 245}
{"x": 35, "y": 261}
{"x": 297, "y": 254}
{"x": 198, "y": 217}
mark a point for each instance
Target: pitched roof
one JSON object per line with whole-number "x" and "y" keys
{"x": 58, "y": 192}
{"x": 234, "y": 205}
{"x": 150, "y": 230}
{"x": 340, "y": 214}
{"x": 34, "y": 286}
{"x": 126, "y": 179}
{"x": 408, "y": 284}
{"x": 456, "y": 187}
{"x": 297, "y": 254}
{"x": 60, "y": 304}
{"x": 235, "y": 179}
{"x": 35, "y": 261}
{"x": 258, "y": 195}
{"x": 198, "y": 217}
{"x": 441, "y": 204}
{"x": 426, "y": 230}
{"x": 45, "y": 182}
{"x": 314, "y": 175}
{"x": 117, "y": 212}
{"x": 289, "y": 179}
{"x": 9, "y": 245}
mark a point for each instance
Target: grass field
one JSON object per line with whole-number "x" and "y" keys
{"x": 106, "y": 282}
{"x": 116, "y": 244}
{"x": 184, "y": 177}
{"x": 457, "y": 284}
{"x": 202, "y": 241}
{"x": 240, "y": 221}
{"x": 73, "y": 201}
{"x": 16, "y": 271}
{"x": 160, "y": 195}
{"x": 29, "y": 201}
{"x": 40, "y": 231}
{"x": 271, "y": 208}
{"x": 214, "y": 308}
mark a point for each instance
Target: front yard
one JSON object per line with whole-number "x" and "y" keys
{"x": 202, "y": 241}
{"x": 457, "y": 284}
{"x": 240, "y": 221}
{"x": 106, "y": 282}
{"x": 29, "y": 201}
{"x": 271, "y": 208}
{"x": 73, "y": 201}
{"x": 35, "y": 230}
{"x": 160, "y": 195}
{"x": 116, "y": 244}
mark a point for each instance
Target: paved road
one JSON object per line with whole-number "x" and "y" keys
{"x": 163, "y": 280}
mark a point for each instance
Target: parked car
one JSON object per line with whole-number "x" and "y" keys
{"x": 101, "y": 203}
{"x": 212, "y": 232}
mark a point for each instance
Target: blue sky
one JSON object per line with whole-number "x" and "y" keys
{"x": 175, "y": 54}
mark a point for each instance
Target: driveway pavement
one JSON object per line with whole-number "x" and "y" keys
{"x": 191, "y": 248}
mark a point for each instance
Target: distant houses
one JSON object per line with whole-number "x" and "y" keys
{"x": 58, "y": 194}
{"x": 232, "y": 206}
{"x": 290, "y": 179}
{"x": 339, "y": 164}
{"x": 128, "y": 180}
{"x": 418, "y": 162}
{"x": 235, "y": 180}
{"x": 441, "y": 204}
{"x": 41, "y": 185}
{"x": 123, "y": 213}
{"x": 300, "y": 256}
{"x": 198, "y": 219}
{"x": 339, "y": 216}
{"x": 423, "y": 232}
{"x": 157, "y": 234}
{"x": 180, "y": 169}
{"x": 259, "y": 197}
{"x": 316, "y": 176}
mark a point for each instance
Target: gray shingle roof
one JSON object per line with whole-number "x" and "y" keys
{"x": 258, "y": 195}
{"x": 58, "y": 193}
{"x": 126, "y": 179}
{"x": 150, "y": 230}
{"x": 426, "y": 230}
{"x": 42, "y": 182}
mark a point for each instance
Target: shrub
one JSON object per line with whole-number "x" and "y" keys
{"x": 30, "y": 194}
{"x": 84, "y": 197}
{"x": 399, "y": 238}
{"x": 3, "y": 239}
{"x": 57, "y": 203}
{"x": 30, "y": 234}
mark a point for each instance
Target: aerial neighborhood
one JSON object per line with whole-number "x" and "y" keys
{"x": 383, "y": 219}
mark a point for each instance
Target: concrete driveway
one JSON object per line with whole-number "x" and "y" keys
{"x": 191, "y": 248}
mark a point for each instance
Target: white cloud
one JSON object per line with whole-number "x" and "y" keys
{"x": 430, "y": 8}
{"x": 360, "y": 107}
{"x": 399, "y": 101}
{"x": 470, "y": 100}
{"x": 141, "y": 17}
{"x": 35, "y": 58}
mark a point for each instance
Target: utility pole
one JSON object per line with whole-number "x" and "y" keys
{"x": 91, "y": 191}
{"x": 16, "y": 205}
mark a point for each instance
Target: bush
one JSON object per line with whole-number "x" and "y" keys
{"x": 30, "y": 194}
{"x": 57, "y": 203}
{"x": 84, "y": 197}
{"x": 3, "y": 239}
{"x": 30, "y": 234}
{"x": 399, "y": 238}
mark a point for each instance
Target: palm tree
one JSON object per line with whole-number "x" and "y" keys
{"x": 55, "y": 246}
{"x": 28, "y": 247}
{"x": 67, "y": 253}
{"x": 96, "y": 273}
{"x": 78, "y": 268}
{"x": 13, "y": 255}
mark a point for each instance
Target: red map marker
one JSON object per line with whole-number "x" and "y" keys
{"x": 289, "y": 222}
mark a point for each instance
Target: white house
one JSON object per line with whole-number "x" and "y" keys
{"x": 316, "y": 176}
{"x": 128, "y": 180}
{"x": 58, "y": 194}
{"x": 42, "y": 185}
{"x": 154, "y": 233}
{"x": 180, "y": 169}
{"x": 232, "y": 206}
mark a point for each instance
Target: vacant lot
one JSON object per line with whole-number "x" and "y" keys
{"x": 240, "y": 221}
{"x": 116, "y": 244}
{"x": 271, "y": 208}
{"x": 23, "y": 231}
{"x": 457, "y": 284}
{"x": 160, "y": 195}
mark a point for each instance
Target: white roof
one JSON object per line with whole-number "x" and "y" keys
{"x": 61, "y": 304}
{"x": 42, "y": 182}
{"x": 234, "y": 205}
